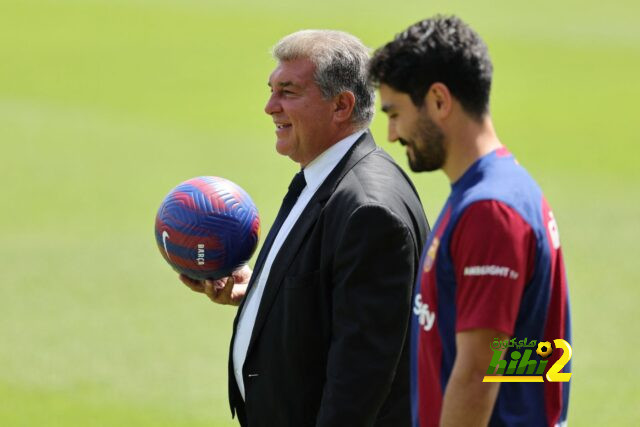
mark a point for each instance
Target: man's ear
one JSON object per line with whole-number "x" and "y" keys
{"x": 344, "y": 104}
{"x": 439, "y": 101}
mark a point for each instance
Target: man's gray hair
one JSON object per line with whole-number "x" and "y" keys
{"x": 341, "y": 63}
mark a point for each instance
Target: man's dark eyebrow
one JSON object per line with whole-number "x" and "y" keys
{"x": 386, "y": 108}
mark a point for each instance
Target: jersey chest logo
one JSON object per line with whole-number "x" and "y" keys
{"x": 426, "y": 317}
{"x": 431, "y": 254}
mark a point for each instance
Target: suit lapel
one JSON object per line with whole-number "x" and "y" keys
{"x": 363, "y": 146}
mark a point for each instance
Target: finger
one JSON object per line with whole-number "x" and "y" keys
{"x": 239, "y": 291}
{"x": 189, "y": 281}
{"x": 242, "y": 275}
{"x": 228, "y": 288}
{"x": 219, "y": 284}
{"x": 210, "y": 290}
{"x": 194, "y": 285}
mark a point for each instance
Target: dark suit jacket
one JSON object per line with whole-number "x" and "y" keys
{"x": 330, "y": 345}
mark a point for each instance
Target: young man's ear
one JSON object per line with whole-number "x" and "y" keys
{"x": 439, "y": 100}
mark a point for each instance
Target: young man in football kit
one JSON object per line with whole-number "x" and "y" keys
{"x": 492, "y": 267}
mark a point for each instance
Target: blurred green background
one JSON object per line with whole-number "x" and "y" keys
{"x": 107, "y": 105}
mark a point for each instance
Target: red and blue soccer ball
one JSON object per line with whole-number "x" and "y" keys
{"x": 207, "y": 227}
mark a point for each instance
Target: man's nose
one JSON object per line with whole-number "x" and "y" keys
{"x": 273, "y": 106}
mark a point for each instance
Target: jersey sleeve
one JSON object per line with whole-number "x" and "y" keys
{"x": 493, "y": 250}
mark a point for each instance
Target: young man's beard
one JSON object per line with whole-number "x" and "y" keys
{"x": 427, "y": 146}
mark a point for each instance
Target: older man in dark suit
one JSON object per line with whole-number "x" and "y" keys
{"x": 320, "y": 336}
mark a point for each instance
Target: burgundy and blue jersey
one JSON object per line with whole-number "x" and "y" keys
{"x": 492, "y": 261}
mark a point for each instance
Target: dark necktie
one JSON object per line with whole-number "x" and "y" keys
{"x": 295, "y": 188}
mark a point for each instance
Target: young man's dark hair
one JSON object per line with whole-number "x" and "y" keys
{"x": 441, "y": 49}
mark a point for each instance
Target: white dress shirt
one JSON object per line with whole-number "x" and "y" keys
{"x": 314, "y": 174}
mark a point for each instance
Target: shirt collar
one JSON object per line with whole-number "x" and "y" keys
{"x": 316, "y": 171}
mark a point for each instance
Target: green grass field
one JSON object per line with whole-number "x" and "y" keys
{"x": 106, "y": 105}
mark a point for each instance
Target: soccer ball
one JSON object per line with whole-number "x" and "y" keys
{"x": 207, "y": 227}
